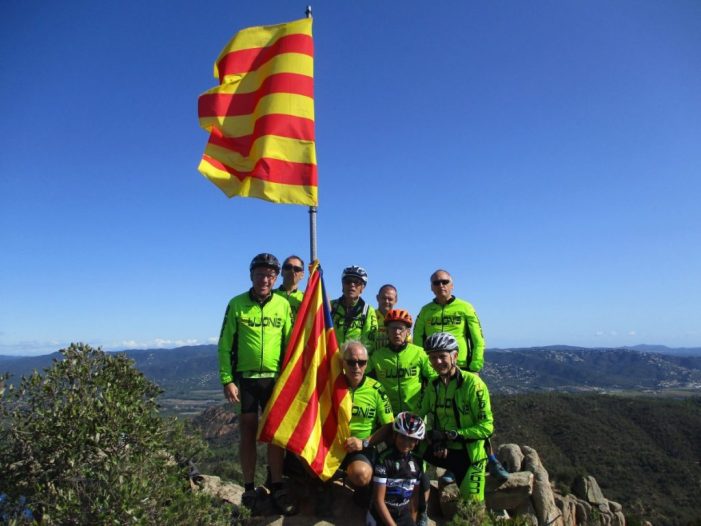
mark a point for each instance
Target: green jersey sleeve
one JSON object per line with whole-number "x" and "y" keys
{"x": 481, "y": 423}
{"x": 226, "y": 343}
{"x": 475, "y": 340}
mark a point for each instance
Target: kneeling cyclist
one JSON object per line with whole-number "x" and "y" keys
{"x": 459, "y": 405}
{"x": 397, "y": 473}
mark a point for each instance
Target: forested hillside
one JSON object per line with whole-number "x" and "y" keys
{"x": 643, "y": 451}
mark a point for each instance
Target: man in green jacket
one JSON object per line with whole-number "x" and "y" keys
{"x": 292, "y": 274}
{"x": 252, "y": 342}
{"x": 461, "y": 417}
{"x": 446, "y": 313}
{"x": 353, "y": 319}
{"x": 386, "y": 300}
{"x": 401, "y": 367}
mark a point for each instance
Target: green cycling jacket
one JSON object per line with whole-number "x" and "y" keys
{"x": 253, "y": 337}
{"x": 357, "y": 323}
{"x": 461, "y": 405}
{"x": 402, "y": 373}
{"x": 459, "y": 318}
{"x": 295, "y": 298}
{"x": 371, "y": 408}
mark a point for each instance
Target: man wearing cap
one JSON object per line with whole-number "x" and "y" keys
{"x": 353, "y": 319}
{"x": 446, "y": 313}
{"x": 461, "y": 417}
{"x": 253, "y": 337}
{"x": 292, "y": 274}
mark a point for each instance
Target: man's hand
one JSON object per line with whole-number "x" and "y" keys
{"x": 353, "y": 444}
{"x": 231, "y": 392}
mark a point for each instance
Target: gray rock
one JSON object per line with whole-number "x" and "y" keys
{"x": 511, "y": 494}
{"x": 618, "y": 519}
{"x": 542, "y": 498}
{"x": 567, "y": 504}
{"x": 588, "y": 489}
{"x": 225, "y": 491}
{"x": 511, "y": 457}
{"x": 615, "y": 507}
{"x": 449, "y": 497}
{"x": 583, "y": 511}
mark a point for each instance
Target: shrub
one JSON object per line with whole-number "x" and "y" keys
{"x": 84, "y": 444}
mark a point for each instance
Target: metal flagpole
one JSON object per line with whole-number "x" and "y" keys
{"x": 312, "y": 209}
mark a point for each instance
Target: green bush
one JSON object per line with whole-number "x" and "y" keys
{"x": 84, "y": 444}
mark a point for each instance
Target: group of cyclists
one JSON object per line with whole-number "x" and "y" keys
{"x": 419, "y": 396}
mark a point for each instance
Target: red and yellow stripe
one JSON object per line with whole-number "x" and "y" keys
{"x": 310, "y": 408}
{"x": 261, "y": 116}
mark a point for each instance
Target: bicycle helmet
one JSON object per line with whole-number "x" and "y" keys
{"x": 265, "y": 260}
{"x": 441, "y": 342}
{"x": 398, "y": 315}
{"x": 355, "y": 272}
{"x": 409, "y": 425}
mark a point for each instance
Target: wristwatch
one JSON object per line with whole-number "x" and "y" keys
{"x": 366, "y": 443}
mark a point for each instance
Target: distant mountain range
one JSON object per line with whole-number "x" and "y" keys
{"x": 183, "y": 370}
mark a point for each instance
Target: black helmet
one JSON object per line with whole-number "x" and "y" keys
{"x": 265, "y": 260}
{"x": 355, "y": 272}
{"x": 441, "y": 342}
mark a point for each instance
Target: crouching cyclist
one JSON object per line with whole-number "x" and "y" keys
{"x": 397, "y": 473}
{"x": 458, "y": 404}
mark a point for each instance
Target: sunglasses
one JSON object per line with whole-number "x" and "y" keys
{"x": 351, "y": 281}
{"x": 437, "y": 282}
{"x": 359, "y": 363}
{"x": 289, "y": 266}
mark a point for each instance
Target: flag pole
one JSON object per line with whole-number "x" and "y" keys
{"x": 312, "y": 209}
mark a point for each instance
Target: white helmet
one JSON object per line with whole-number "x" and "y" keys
{"x": 409, "y": 425}
{"x": 441, "y": 342}
{"x": 355, "y": 272}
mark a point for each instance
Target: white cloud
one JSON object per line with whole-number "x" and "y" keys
{"x": 157, "y": 343}
{"x": 31, "y": 347}
{"x": 632, "y": 333}
{"x": 599, "y": 333}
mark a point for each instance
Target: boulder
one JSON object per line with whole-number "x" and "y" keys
{"x": 510, "y": 494}
{"x": 586, "y": 488}
{"x": 448, "y": 498}
{"x": 567, "y": 504}
{"x": 618, "y": 519}
{"x": 225, "y": 491}
{"x": 511, "y": 457}
{"x": 583, "y": 512}
{"x": 543, "y": 498}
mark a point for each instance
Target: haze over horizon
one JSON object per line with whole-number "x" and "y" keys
{"x": 546, "y": 154}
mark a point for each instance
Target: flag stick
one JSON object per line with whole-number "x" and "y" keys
{"x": 312, "y": 209}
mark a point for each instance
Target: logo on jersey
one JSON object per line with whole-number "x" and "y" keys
{"x": 402, "y": 372}
{"x": 364, "y": 412}
{"x": 445, "y": 319}
{"x": 265, "y": 321}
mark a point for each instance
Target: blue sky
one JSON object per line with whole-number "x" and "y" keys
{"x": 547, "y": 153}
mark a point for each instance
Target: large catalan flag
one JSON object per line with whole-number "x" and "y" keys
{"x": 261, "y": 116}
{"x": 310, "y": 408}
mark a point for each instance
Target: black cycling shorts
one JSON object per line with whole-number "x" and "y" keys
{"x": 255, "y": 393}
